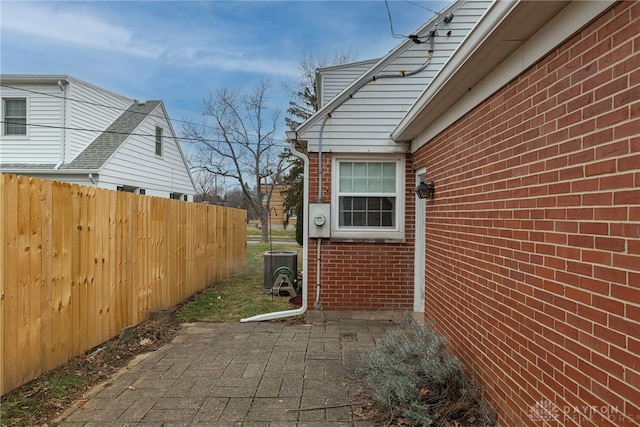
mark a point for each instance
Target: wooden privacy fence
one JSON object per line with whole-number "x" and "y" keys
{"x": 79, "y": 264}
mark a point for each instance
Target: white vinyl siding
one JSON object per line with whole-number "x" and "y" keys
{"x": 90, "y": 108}
{"x": 159, "y": 176}
{"x": 363, "y": 122}
{"x": 42, "y": 142}
{"x": 334, "y": 79}
{"x": 368, "y": 198}
{"x": 60, "y": 123}
{"x": 70, "y": 114}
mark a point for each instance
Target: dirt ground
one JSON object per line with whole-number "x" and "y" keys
{"x": 42, "y": 400}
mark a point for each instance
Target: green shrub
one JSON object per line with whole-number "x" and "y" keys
{"x": 412, "y": 375}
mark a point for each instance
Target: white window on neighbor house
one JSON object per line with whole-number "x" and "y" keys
{"x": 14, "y": 116}
{"x": 158, "y": 141}
{"x": 368, "y": 198}
{"x": 127, "y": 188}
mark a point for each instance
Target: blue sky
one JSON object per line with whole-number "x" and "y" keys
{"x": 178, "y": 51}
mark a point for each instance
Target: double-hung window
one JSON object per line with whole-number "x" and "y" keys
{"x": 368, "y": 198}
{"x": 15, "y": 116}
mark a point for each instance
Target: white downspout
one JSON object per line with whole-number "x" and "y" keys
{"x": 305, "y": 253}
{"x": 305, "y": 249}
{"x": 63, "y": 142}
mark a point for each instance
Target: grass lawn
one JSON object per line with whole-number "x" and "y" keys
{"x": 240, "y": 295}
{"x": 275, "y": 233}
{"x": 229, "y": 300}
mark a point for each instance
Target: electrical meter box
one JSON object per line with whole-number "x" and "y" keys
{"x": 319, "y": 220}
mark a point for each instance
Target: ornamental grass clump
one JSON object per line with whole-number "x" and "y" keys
{"x": 412, "y": 375}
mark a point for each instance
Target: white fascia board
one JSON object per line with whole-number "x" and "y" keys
{"x": 175, "y": 139}
{"x": 17, "y": 79}
{"x": 40, "y": 171}
{"x": 436, "y": 109}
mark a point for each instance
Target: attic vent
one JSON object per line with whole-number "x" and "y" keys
{"x": 141, "y": 103}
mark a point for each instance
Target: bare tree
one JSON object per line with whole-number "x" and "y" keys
{"x": 304, "y": 100}
{"x": 303, "y": 104}
{"x": 208, "y": 189}
{"x": 236, "y": 140}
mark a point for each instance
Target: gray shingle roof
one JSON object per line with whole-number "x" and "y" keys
{"x": 99, "y": 151}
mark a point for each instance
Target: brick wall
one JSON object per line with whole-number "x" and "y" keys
{"x": 361, "y": 276}
{"x": 533, "y": 238}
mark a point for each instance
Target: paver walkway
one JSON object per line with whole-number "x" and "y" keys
{"x": 239, "y": 374}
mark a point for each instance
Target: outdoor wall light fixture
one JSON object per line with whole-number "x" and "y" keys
{"x": 425, "y": 190}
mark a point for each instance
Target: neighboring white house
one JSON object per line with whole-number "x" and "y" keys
{"x": 61, "y": 128}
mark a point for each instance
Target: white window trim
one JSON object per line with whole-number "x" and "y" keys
{"x": 2, "y": 114}
{"x": 358, "y": 234}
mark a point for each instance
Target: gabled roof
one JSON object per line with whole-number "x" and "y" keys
{"x": 103, "y": 147}
{"x": 369, "y": 76}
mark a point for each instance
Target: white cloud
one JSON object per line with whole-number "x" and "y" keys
{"x": 73, "y": 28}
{"x": 77, "y": 28}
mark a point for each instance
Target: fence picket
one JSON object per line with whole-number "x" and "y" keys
{"x": 10, "y": 279}
{"x": 81, "y": 263}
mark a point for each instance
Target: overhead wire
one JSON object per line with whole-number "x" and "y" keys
{"x": 112, "y": 132}
{"x": 415, "y": 38}
{"x": 421, "y": 6}
{"x": 97, "y": 104}
{"x": 393, "y": 33}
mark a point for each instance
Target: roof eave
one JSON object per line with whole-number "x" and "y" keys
{"x": 425, "y": 106}
{"x": 46, "y": 79}
{"x": 39, "y": 171}
{"x": 505, "y": 31}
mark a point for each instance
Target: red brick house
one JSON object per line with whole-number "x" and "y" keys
{"x": 365, "y": 187}
{"x": 528, "y": 254}
{"x": 533, "y": 236}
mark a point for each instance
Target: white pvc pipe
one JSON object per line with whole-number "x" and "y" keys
{"x": 305, "y": 254}
{"x": 317, "y": 304}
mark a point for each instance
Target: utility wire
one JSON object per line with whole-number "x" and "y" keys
{"x": 421, "y": 6}
{"x": 393, "y": 33}
{"x": 127, "y": 133}
{"x": 97, "y": 104}
{"x": 415, "y": 38}
{"x": 113, "y": 132}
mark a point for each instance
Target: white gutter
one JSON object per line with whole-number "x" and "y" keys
{"x": 305, "y": 252}
{"x": 40, "y": 171}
